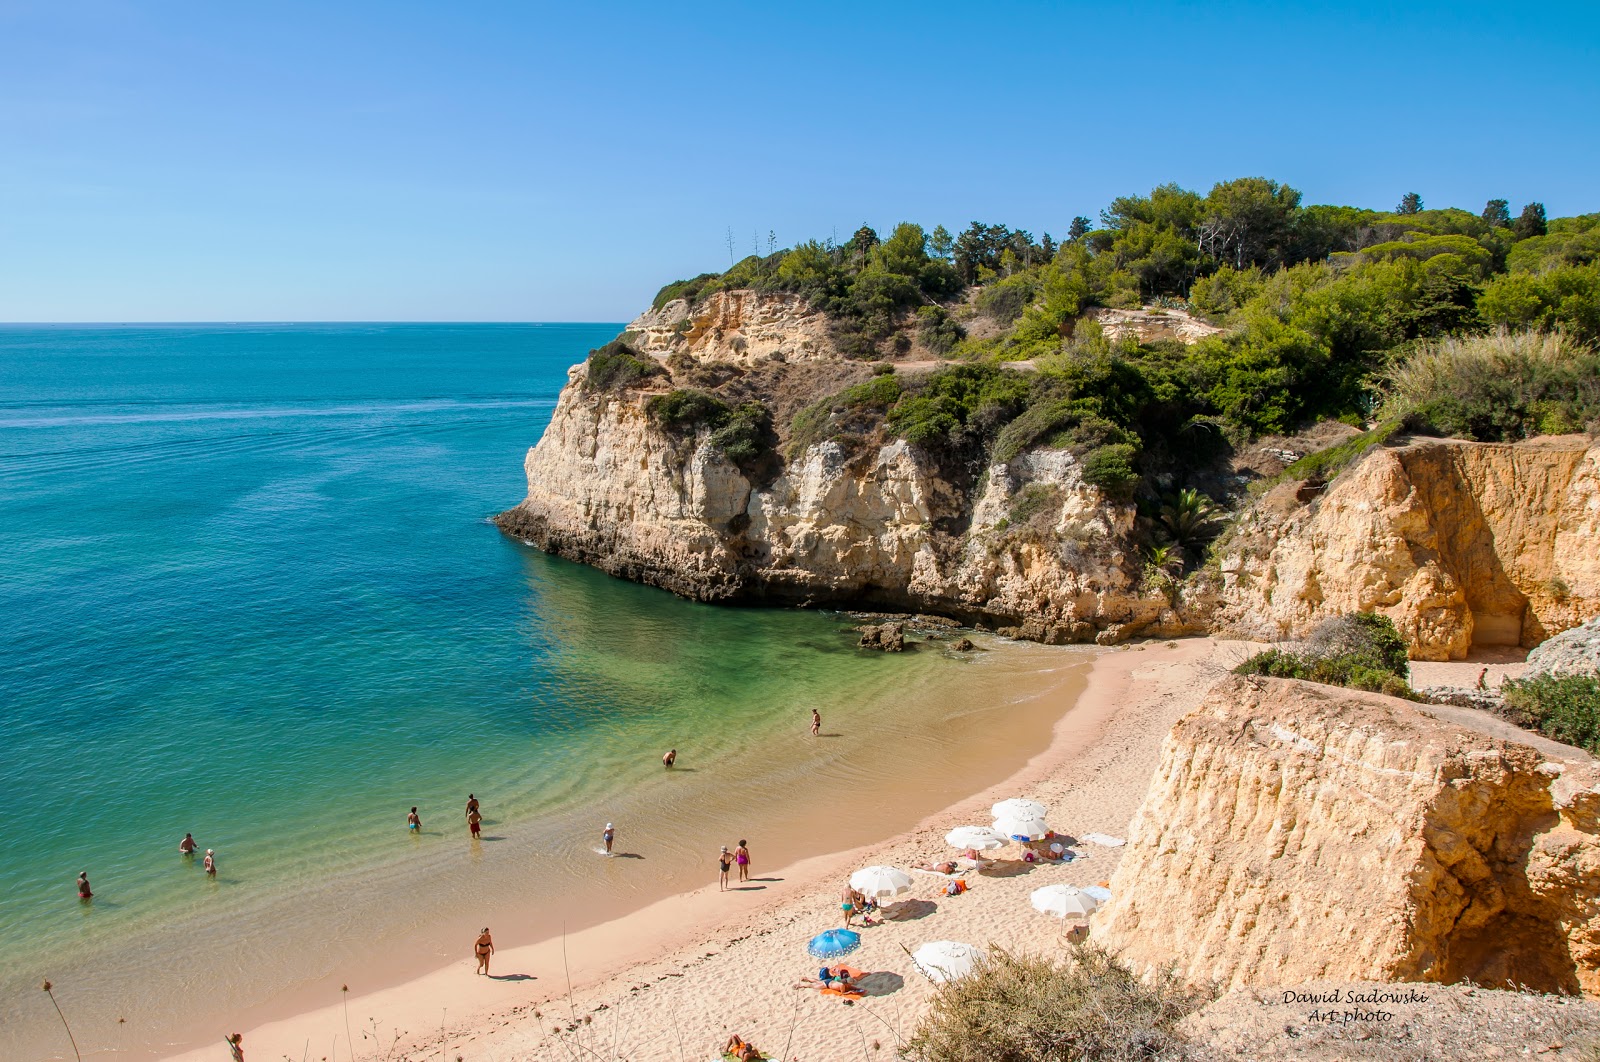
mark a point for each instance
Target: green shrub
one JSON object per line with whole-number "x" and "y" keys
{"x": 926, "y": 421}
{"x": 744, "y": 434}
{"x": 616, "y": 366}
{"x": 1088, "y": 1008}
{"x": 1033, "y": 500}
{"x": 1363, "y": 651}
{"x": 1111, "y": 468}
{"x": 1005, "y": 299}
{"x": 858, "y": 409}
{"x": 684, "y": 411}
{"x": 1325, "y": 464}
{"x": 937, "y": 330}
{"x": 1562, "y": 707}
{"x": 1496, "y": 387}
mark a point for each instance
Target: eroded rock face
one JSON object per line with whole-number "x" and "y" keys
{"x": 1296, "y": 832}
{"x": 884, "y": 526}
{"x": 1459, "y": 543}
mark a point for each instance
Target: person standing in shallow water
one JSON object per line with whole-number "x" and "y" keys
{"x": 741, "y": 856}
{"x": 610, "y": 835}
{"x": 414, "y": 821}
{"x": 187, "y": 845}
{"x": 84, "y": 892}
{"x": 816, "y": 723}
{"x": 670, "y": 758}
{"x": 474, "y": 823}
{"x": 472, "y": 805}
{"x": 211, "y": 863}
{"x": 483, "y": 948}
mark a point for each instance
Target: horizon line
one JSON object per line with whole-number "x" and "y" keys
{"x": 327, "y": 321}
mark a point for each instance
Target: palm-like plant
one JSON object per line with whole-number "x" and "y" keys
{"x": 1187, "y": 516}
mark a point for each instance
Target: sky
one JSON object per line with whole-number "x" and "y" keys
{"x": 508, "y": 160}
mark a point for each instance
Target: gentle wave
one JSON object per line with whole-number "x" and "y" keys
{"x": 264, "y": 413}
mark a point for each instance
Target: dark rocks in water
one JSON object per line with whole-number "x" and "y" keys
{"x": 890, "y": 637}
{"x": 924, "y": 620}
{"x": 963, "y": 645}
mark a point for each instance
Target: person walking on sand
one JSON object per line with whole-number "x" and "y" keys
{"x": 483, "y": 948}
{"x": 1483, "y": 679}
{"x": 187, "y": 845}
{"x": 84, "y": 892}
{"x": 741, "y": 856}
{"x": 847, "y": 904}
{"x": 236, "y": 1046}
{"x": 474, "y": 823}
{"x": 610, "y": 835}
{"x": 724, "y": 861}
{"x": 670, "y": 758}
{"x": 211, "y": 863}
{"x": 816, "y": 723}
{"x": 414, "y": 821}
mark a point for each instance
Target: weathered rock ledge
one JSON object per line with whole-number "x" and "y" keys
{"x": 1296, "y": 832}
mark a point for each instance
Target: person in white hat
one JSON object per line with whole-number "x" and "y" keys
{"x": 610, "y": 836}
{"x": 211, "y": 863}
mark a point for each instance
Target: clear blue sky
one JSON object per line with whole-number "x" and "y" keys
{"x": 510, "y": 160}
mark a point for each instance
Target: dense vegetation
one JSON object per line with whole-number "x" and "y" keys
{"x": 1362, "y": 651}
{"x": 1479, "y": 325}
{"x": 1088, "y": 1008}
{"x": 1563, "y": 707}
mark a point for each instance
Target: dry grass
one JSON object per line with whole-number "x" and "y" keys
{"x": 1087, "y": 1008}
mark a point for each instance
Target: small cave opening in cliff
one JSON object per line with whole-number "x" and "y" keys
{"x": 1507, "y": 936}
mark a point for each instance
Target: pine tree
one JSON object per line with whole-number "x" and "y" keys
{"x": 1530, "y": 222}
{"x": 1497, "y": 214}
{"x": 1410, "y": 203}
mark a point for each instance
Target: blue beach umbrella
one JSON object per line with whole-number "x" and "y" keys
{"x": 833, "y": 943}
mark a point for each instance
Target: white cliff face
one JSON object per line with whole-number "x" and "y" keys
{"x": 882, "y": 528}
{"x": 740, "y": 327}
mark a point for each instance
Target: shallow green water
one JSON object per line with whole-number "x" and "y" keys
{"x": 247, "y": 590}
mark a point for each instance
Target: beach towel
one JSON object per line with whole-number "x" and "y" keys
{"x": 1104, "y": 840}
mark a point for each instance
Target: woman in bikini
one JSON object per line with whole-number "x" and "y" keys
{"x": 483, "y": 949}
{"x": 211, "y": 863}
{"x": 724, "y": 861}
{"x": 741, "y": 856}
{"x": 847, "y": 903}
{"x": 414, "y": 821}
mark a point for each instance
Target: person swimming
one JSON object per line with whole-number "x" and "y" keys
{"x": 187, "y": 845}
{"x": 414, "y": 821}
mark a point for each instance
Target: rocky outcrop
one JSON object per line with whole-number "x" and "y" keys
{"x": 1296, "y": 832}
{"x": 1148, "y": 326}
{"x": 1460, "y": 543}
{"x": 1027, "y": 547}
{"x": 1574, "y": 652}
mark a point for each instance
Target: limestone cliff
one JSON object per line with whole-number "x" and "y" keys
{"x": 1459, "y": 543}
{"x": 1296, "y": 832}
{"x": 879, "y": 523}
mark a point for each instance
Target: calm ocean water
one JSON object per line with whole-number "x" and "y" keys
{"x": 247, "y": 590}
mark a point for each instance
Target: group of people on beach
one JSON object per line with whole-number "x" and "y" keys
{"x": 186, "y": 847}
{"x": 739, "y": 857}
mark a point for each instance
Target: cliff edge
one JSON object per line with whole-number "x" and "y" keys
{"x": 1296, "y": 832}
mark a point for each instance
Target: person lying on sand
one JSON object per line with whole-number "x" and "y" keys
{"x": 738, "y": 1049}
{"x": 941, "y": 868}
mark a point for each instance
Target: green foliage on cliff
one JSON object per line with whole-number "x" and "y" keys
{"x": 742, "y": 433}
{"x": 1362, "y": 651}
{"x": 1563, "y": 707}
{"x": 617, "y": 365}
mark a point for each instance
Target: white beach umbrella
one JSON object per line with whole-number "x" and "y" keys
{"x": 1022, "y": 828}
{"x": 1063, "y": 901}
{"x": 1100, "y": 893}
{"x": 982, "y": 838}
{"x": 1018, "y": 809}
{"x": 881, "y": 883}
{"x": 946, "y": 960}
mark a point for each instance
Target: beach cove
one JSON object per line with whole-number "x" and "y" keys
{"x": 251, "y": 594}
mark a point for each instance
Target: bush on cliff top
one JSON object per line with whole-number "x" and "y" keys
{"x": 1561, "y": 707}
{"x": 1089, "y": 1008}
{"x": 1362, "y": 651}
{"x": 617, "y": 365}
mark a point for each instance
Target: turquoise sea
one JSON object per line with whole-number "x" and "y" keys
{"x": 248, "y": 590}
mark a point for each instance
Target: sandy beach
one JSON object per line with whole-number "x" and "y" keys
{"x": 673, "y": 980}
